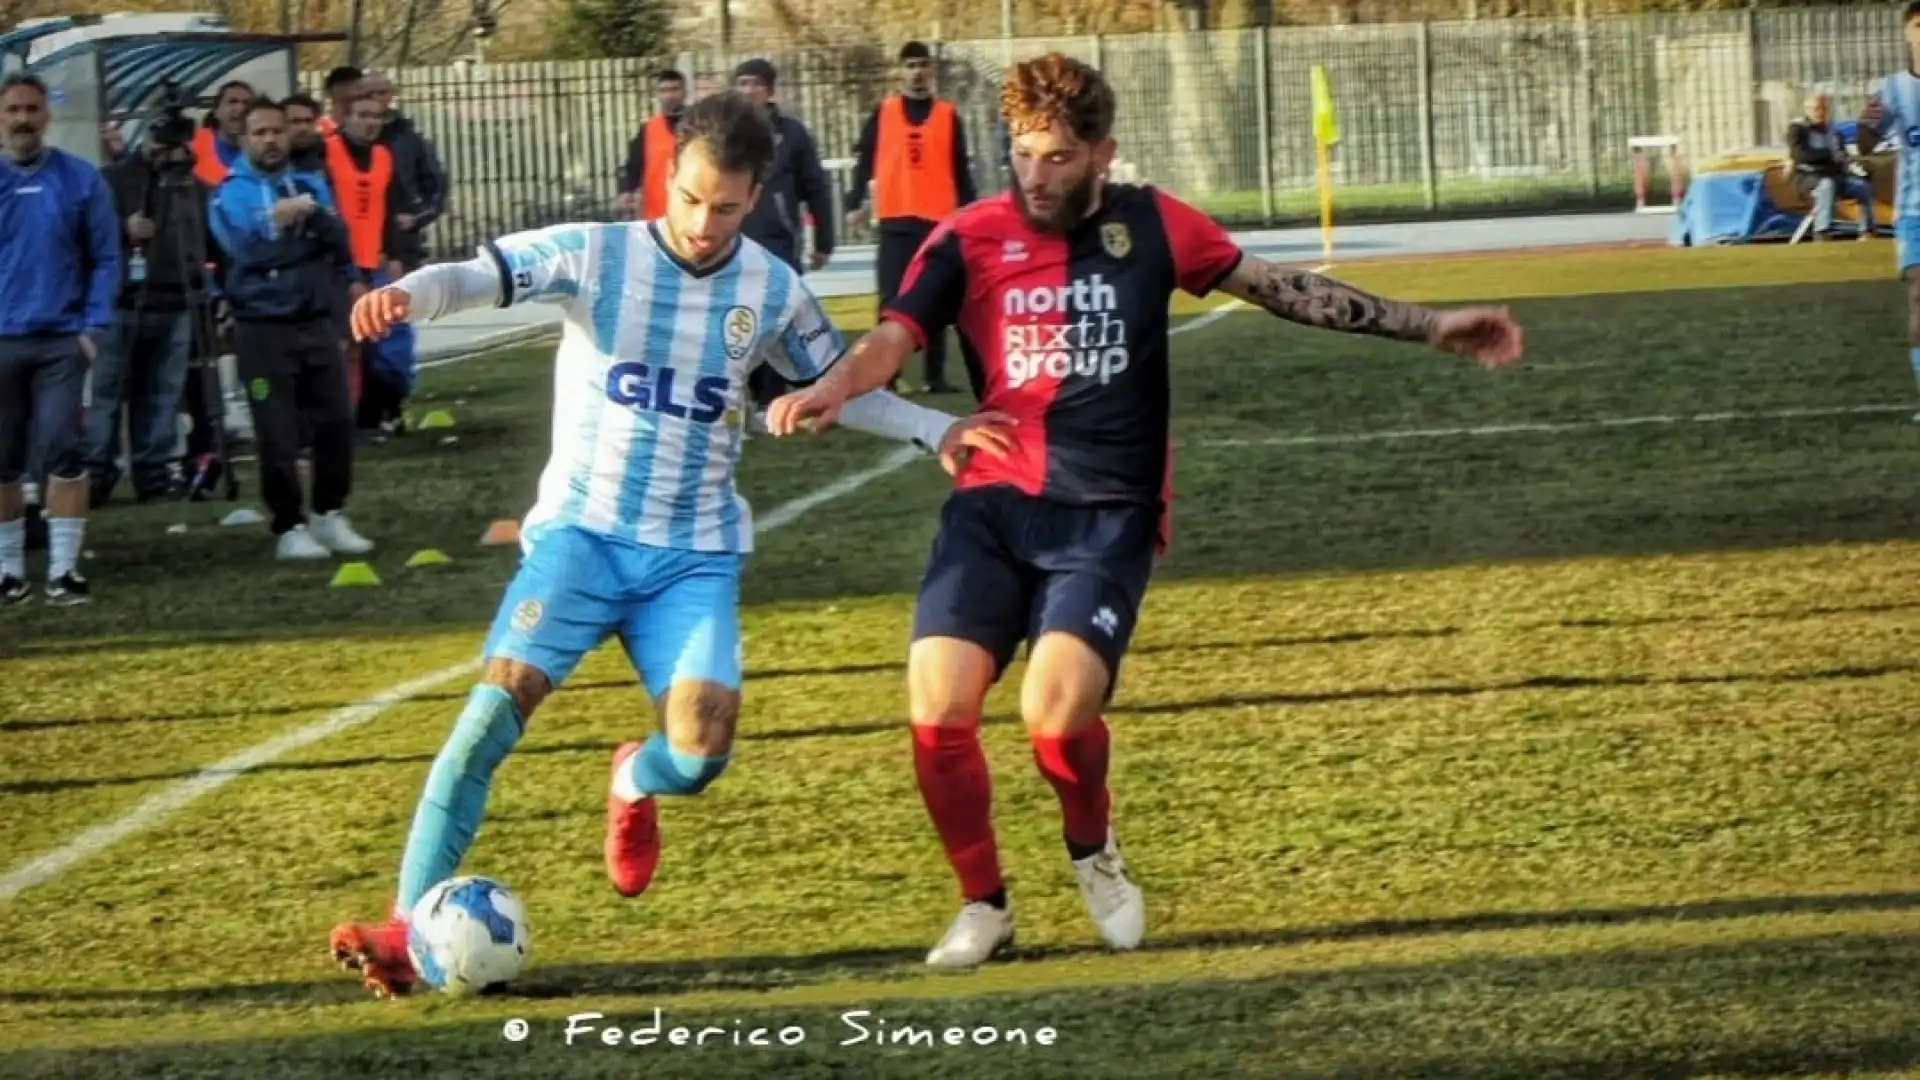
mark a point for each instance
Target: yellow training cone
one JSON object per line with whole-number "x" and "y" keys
{"x": 355, "y": 574}
{"x": 427, "y": 557}
{"x": 438, "y": 418}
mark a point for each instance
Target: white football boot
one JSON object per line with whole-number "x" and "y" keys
{"x": 979, "y": 931}
{"x": 297, "y": 545}
{"x": 1118, "y": 909}
{"x": 335, "y": 532}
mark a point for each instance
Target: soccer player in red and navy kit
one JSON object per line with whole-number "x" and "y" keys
{"x": 1060, "y": 291}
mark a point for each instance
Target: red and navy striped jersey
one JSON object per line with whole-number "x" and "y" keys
{"x": 1068, "y": 333}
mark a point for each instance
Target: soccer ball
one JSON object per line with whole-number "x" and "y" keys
{"x": 468, "y": 935}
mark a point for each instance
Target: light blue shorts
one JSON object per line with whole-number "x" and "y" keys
{"x": 676, "y": 612}
{"x": 1906, "y": 242}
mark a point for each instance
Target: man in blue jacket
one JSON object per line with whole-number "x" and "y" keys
{"x": 287, "y": 255}
{"x": 59, "y": 274}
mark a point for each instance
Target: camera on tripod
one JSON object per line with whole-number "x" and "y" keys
{"x": 172, "y": 127}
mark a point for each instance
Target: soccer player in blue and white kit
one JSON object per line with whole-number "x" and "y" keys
{"x": 638, "y": 530}
{"x": 1895, "y": 113}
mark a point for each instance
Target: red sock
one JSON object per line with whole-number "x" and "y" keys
{"x": 958, "y": 791}
{"x": 1076, "y": 766}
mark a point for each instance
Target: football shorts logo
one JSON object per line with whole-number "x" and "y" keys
{"x": 527, "y": 616}
{"x": 1115, "y": 239}
{"x": 738, "y": 331}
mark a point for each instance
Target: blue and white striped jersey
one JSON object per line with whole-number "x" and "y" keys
{"x": 1899, "y": 99}
{"x": 650, "y": 380}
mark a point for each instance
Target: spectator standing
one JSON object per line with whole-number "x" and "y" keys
{"x": 341, "y": 87}
{"x": 306, "y": 146}
{"x": 142, "y": 367}
{"x": 216, "y": 146}
{"x": 913, "y": 151}
{"x": 643, "y": 179}
{"x": 795, "y": 186}
{"x": 287, "y": 251}
{"x": 59, "y": 274}
{"x": 420, "y": 182}
{"x": 1823, "y": 171}
{"x": 363, "y": 177}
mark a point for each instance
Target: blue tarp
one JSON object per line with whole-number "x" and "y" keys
{"x": 1730, "y": 208}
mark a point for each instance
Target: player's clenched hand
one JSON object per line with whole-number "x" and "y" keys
{"x": 988, "y": 432}
{"x": 378, "y": 312}
{"x": 820, "y": 403}
{"x": 1486, "y": 334}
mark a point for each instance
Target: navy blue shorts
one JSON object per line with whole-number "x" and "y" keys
{"x": 1008, "y": 567}
{"x": 43, "y": 386}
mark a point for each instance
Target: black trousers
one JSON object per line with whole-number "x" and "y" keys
{"x": 900, "y": 240}
{"x": 294, "y": 373}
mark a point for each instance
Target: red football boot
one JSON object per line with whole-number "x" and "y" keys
{"x": 378, "y": 951}
{"x": 633, "y": 835}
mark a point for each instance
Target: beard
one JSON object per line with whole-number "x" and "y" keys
{"x": 1071, "y": 210}
{"x": 23, "y": 143}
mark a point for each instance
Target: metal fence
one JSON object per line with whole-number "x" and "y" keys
{"x": 1437, "y": 118}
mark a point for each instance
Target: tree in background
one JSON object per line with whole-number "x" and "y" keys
{"x": 593, "y": 29}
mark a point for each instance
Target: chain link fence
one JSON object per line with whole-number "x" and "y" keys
{"x": 1438, "y": 119}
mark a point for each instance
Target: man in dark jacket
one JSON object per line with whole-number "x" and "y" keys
{"x": 306, "y": 146}
{"x": 419, "y": 181}
{"x": 1823, "y": 171}
{"x": 287, "y": 249}
{"x": 795, "y": 185}
{"x": 142, "y": 365}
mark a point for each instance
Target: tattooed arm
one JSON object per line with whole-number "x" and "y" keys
{"x": 1315, "y": 300}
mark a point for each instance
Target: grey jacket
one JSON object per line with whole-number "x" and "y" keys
{"x": 796, "y": 184}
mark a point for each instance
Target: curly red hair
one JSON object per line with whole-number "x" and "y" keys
{"x": 1057, "y": 88}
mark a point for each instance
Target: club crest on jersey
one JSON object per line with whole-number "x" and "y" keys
{"x": 1115, "y": 239}
{"x": 738, "y": 331}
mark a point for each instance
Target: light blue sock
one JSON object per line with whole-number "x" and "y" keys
{"x": 1913, "y": 357}
{"x": 659, "y": 769}
{"x": 450, "y": 809}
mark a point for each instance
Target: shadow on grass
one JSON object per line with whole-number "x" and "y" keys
{"x": 1424, "y": 691}
{"x": 883, "y": 667}
{"x": 1831, "y": 1004}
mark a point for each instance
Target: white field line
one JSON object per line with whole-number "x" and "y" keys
{"x": 1565, "y": 427}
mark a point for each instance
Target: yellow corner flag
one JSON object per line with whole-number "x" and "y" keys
{"x": 1326, "y": 132}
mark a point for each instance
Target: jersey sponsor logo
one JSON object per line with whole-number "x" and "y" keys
{"x": 1912, "y": 136}
{"x": 1087, "y": 338}
{"x": 739, "y": 330}
{"x": 666, "y": 391}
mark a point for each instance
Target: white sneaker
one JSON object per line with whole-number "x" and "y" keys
{"x": 1119, "y": 910}
{"x": 298, "y": 544}
{"x": 336, "y": 533}
{"x": 979, "y": 931}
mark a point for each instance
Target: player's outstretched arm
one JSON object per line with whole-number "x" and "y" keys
{"x": 870, "y": 365}
{"x": 544, "y": 265}
{"x": 429, "y": 293}
{"x": 892, "y": 417}
{"x": 1486, "y": 334}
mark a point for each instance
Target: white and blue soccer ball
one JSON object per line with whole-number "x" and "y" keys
{"x": 468, "y": 935}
